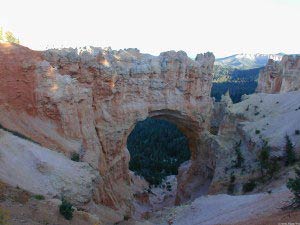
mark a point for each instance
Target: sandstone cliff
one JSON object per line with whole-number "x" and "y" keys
{"x": 283, "y": 76}
{"x": 88, "y": 100}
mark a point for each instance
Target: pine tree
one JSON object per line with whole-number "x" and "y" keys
{"x": 294, "y": 186}
{"x": 268, "y": 166}
{"x": 273, "y": 167}
{"x": 290, "y": 152}
{"x": 239, "y": 157}
{"x": 264, "y": 157}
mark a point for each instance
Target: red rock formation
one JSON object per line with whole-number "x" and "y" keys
{"x": 281, "y": 76}
{"x": 17, "y": 81}
{"x": 89, "y": 100}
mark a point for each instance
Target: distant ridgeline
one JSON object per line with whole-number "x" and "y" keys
{"x": 237, "y": 81}
{"x": 239, "y": 74}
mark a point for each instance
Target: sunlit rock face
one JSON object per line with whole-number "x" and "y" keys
{"x": 88, "y": 101}
{"x": 279, "y": 77}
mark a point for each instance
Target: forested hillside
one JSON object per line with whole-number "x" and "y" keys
{"x": 157, "y": 148}
{"x": 237, "y": 81}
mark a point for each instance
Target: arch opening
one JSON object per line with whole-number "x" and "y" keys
{"x": 157, "y": 149}
{"x": 194, "y": 175}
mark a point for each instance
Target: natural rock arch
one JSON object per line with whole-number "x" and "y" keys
{"x": 195, "y": 176}
{"x": 88, "y": 100}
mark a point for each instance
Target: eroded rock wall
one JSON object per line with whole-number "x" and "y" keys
{"x": 283, "y": 76}
{"x": 89, "y": 100}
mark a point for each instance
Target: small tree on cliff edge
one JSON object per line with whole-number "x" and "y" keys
{"x": 1, "y": 34}
{"x": 290, "y": 152}
{"x": 9, "y": 36}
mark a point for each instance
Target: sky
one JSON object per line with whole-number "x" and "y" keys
{"x": 224, "y": 27}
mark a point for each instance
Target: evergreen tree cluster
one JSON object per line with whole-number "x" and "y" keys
{"x": 290, "y": 152}
{"x": 237, "y": 81}
{"x": 157, "y": 148}
{"x": 268, "y": 166}
{"x": 294, "y": 185}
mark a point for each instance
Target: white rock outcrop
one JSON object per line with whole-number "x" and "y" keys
{"x": 41, "y": 171}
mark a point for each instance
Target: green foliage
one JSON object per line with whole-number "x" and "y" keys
{"x": 264, "y": 157}
{"x": 290, "y": 152}
{"x": 294, "y": 186}
{"x": 9, "y": 37}
{"x": 257, "y": 131}
{"x": 169, "y": 186}
{"x": 39, "y": 197}
{"x": 75, "y": 157}
{"x": 4, "y": 216}
{"x": 66, "y": 209}
{"x": 249, "y": 186}
{"x": 157, "y": 148}
{"x": 239, "y": 157}
{"x": 268, "y": 166}
{"x": 236, "y": 89}
{"x": 1, "y": 34}
{"x": 237, "y": 81}
{"x": 126, "y": 217}
{"x": 273, "y": 167}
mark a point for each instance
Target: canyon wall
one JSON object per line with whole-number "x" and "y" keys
{"x": 88, "y": 100}
{"x": 283, "y": 76}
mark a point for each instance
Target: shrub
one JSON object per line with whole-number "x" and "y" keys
{"x": 230, "y": 189}
{"x": 239, "y": 157}
{"x": 257, "y": 131}
{"x": 290, "y": 152}
{"x": 4, "y": 216}
{"x": 249, "y": 186}
{"x": 169, "y": 186}
{"x": 297, "y": 132}
{"x": 39, "y": 197}
{"x": 66, "y": 209}
{"x": 126, "y": 217}
{"x": 75, "y": 157}
{"x": 294, "y": 186}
